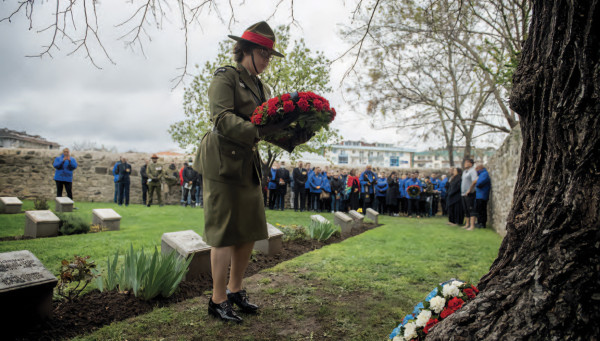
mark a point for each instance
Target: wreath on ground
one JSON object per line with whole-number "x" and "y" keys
{"x": 312, "y": 111}
{"x": 413, "y": 191}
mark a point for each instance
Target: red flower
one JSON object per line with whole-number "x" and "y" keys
{"x": 455, "y": 303}
{"x": 326, "y": 104}
{"x": 318, "y": 105}
{"x": 475, "y": 289}
{"x": 273, "y": 102}
{"x": 469, "y": 292}
{"x": 446, "y": 312}
{"x": 285, "y": 97}
{"x": 333, "y": 113}
{"x": 303, "y": 104}
{"x": 429, "y": 325}
{"x": 288, "y": 106}
{"x": 271, "y": 110}
{"x": 256, "y": 119}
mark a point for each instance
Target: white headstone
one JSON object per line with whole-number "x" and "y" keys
{"x": 25, "y": 288}
{"x": 273, "y": 244}
{"x": 63, "y": 204}
{"x": 10, "y": 205}
{"x": 344, "y": 221}
{"x": 106, "y": 217}
{"x": 373, "y": 215}
{"x": 357, "y": 217}
{"x": 41, "y": 224}
{"x": 319, "y": 219}
{"x": 188, "y": 244}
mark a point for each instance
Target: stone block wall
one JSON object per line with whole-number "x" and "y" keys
{"x": 503, "y": 169}
{"x": 28, "y": 173}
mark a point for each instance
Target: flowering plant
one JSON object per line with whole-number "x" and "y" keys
{"x": 312, "y": 111}
{"x": 441, "y": 302}
{"x": 413, "y": 191}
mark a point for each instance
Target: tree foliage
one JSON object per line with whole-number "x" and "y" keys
{"x": 300, "y": 70}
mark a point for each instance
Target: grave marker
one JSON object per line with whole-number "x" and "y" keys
{"x": 63, "y": 204}
{"x": 319, "y": 219}
{"x": 25, "y": 288}
{"x": 41, "y": 224}
{"x": 358, "y": 218}
{"x": 373, "y": 215}
{"x": 10, "y": 205}
{"x": 106, "y": 217}
{"x": 344, "y": 221}
{"x": 188, "y": 244}
{"x": 273, "y": 244}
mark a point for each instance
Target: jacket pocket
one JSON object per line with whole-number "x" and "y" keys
{"x": 233, "y": 158}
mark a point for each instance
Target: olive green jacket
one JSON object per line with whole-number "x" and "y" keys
{"x": 228, "y": 153}
{"x": 155, "y": 171}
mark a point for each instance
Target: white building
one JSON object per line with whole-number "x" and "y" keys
{"x": 360, "y": 154}
{"x": 19, "y": 139}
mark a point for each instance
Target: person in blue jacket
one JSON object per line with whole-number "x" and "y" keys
{"x": 444, "y": 194}
{"x": 315, "y": 184}
{"x": 272, "y": 187}
{"x": 116, "y": 178}
{"x": 381, "y": 188}
{"x": 309, "y": 196}
{"x": 367, "y": 179}
{"x": 482, "y": 195}
{"x": 413, "y": 201}
{"x": 63, "y": 176}
{"x": 402, "y": 198}
{"x": 436, "y": 194}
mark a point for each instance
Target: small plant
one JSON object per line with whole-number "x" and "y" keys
{"x": 292, "y": 232}
{"x": 72, "y": 224}
{"x": 75, "y": 275}
{"x": 40, "y": 203}
{"x": 321, "y": 230}
{"x": 146, "y": 275}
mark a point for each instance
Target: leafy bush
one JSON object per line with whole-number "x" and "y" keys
{"x": 146, "y": 275}
{"x": 40, "y": 203}
{"x": 75, "y": 275}
{"x": 292, "y": 232}
{"x": 72, "y": 224}
{"x": 321, "y": 230}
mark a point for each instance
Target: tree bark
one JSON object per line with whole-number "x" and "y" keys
{"x": 545, "y": 283}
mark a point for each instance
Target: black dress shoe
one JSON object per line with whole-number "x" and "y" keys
{"x": 240, "y": 299}
{"x": 223, "y": 311}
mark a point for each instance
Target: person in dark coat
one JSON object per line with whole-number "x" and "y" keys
{"x": 300, "y": 176}
{"x": 456, "y": 215}
{"x": 144, "y": 177}
{"x": 187, "y": 174}
{"x": 391, "y": 196}
{"x": 381, "y": 189}
{"x": 124, "y": 171}
{"x": 354, "y": 185}
{"x": 337, "y": 191}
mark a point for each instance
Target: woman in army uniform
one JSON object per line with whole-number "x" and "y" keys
{"x": 234, "y": 216}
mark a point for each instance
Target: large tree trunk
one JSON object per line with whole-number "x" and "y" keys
{"x": 545, "y": 283}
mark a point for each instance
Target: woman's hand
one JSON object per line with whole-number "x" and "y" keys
{"x": 275, "y": 127}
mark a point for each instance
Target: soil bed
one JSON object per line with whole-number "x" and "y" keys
{"x": 97, "y": 309}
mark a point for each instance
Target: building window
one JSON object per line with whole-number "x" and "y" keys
{"x": 343, "y": 159}
{"x": 394, "y": 161}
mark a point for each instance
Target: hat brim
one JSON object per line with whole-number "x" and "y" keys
{"x": 275, "y": 53}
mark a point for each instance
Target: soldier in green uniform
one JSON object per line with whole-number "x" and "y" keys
{"x": 155, "y": 174}
{"x": 230, "y": 165}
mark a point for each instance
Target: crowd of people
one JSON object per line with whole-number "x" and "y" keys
{"x": 460, "y": 194}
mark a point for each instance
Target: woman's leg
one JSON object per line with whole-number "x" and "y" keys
{"x": 220, "y": 257}
{"x": 239, "y": 262}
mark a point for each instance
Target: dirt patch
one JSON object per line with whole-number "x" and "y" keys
{"x": 97, "y": 309}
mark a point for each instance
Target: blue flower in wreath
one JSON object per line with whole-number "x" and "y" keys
{"x": 418, "y": 308}
{"x": 395, "y": 332}
{"x": 431, "y": 294}
{"x": 407, "y": 318}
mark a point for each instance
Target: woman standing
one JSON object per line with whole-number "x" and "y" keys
{"x": 230, "y": 165}
{"x": 64, "y": 166}
{"x": 391, "y": 197}
{"x": 354, "y": 185}
{"x": 455, "y": 211}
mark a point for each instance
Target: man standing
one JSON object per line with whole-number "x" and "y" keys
{"x": 467, "y": 190}
{"x": 436, "y": 194}
{"x": 63, "y": 176}
{"x": 300, "y": 176}
{"x": 188, "y": 184}
{"x": 482, "y": 195}
{"x": 413, "y": 198}
{"x": 307, "y": 191}
{"x": 124, "y": 171}
{"x": 144, "y": 177}
{"x": 273, "y": 199}
{"x": 283, "y": 179}
{"x": 367, "y": 183}
{"x": 155, "y": 175}
{"x": 115, "y": 172}
{"x": 443, "y": 194}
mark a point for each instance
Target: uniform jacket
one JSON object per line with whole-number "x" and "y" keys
{"x": 315, "y": 180}
{"x": 64, "y": 168}
{"x": 228, "y": 153}
{"x": 124, "y": 171}
{"x": 367, "y": 178}
{"x": 116, "y": 171}
{"x": 483, "y": 185}
{"x": 381, "y": 187}
{"x": 409, "y": 182}
{"x": 300, "y": 176}
{"x": 155, "y": 172}
{"x": 310, "y": 173}
{"x": 273, "y": 179}
{"x": 443, "y": 189}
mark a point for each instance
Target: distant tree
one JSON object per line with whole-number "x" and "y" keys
{"x": 300, "y": 70}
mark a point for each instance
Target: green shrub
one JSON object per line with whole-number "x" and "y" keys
{"x": 146, "y": 275}
{"x": 321, "y": 230}
{"x": 292, "y": 232}
{"x": 40, "y": 203}
{"x": 75, "y": 275}
{"x": 72, "y": 224}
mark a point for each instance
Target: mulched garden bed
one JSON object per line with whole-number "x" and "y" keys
{"x": 97, "y": 309}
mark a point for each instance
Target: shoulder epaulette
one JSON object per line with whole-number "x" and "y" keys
{"x": 223, "y": 69}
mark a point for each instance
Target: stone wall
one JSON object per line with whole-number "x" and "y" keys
{"x": 28, "y": 173}
{"x": 503, "y": 169}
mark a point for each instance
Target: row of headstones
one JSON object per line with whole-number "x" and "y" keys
{"x": 12, "y": 205}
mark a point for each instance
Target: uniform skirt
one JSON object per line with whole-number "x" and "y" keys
{"x": 233, "y": 214}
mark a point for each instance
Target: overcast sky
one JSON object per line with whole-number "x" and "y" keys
{"x": 130, "y": 105}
